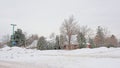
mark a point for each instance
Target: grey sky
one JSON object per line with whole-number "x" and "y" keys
{"x": 43, "y": 17}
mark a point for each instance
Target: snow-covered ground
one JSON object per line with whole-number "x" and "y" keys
{"x": 16, "y": 57}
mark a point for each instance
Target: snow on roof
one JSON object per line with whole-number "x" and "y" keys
{"x": 33, "y": 45}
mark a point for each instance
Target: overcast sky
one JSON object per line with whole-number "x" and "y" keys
{"x": 43, "y": 17}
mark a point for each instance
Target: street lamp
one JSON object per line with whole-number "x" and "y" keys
{"x": 13, "y": 41}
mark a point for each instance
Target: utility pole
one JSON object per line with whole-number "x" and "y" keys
{"x": 13, "y": 41}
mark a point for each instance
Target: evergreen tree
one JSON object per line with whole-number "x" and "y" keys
{"x": 91, "y": 41}
{"x": 51, "y": 42}
{"x": 50, "y": 45}
{"x": 81, "y": 40}
{"x": 57, "y": 43}
{"x": 19, "y": 38}
{"x": 61, "y": 41}
{"x": 100, "y": 37}
{"x": 42, "y": 43}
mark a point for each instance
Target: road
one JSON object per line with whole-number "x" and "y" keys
{"x": 11, "y": 64}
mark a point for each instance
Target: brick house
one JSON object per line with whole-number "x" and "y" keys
{"x": 74, "y": 43}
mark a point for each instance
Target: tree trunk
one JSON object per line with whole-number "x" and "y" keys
{"x": 69, "y": 41}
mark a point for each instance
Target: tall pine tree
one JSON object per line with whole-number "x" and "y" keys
{"x": 57, "y": 43}
{"x": 100, "y": 37}
{"x": 19, "y": 38}
{"x": 81, "y": 40}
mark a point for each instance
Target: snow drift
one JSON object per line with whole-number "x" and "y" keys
{"x": 80, "y": 58}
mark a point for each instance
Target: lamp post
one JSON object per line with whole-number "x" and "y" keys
{"x": 13, "y": 41}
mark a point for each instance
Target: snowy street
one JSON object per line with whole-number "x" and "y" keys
{"x": 10, "y": 64}
{"x": 16, "y": 57}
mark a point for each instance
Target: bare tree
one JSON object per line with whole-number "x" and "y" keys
{"x": 52, "y": 37}
{"x": 112, "y": 41}
{"x": 69, "y": 28}
{"x": 86, "y": 31}
{"x": 106, "y": 32}
{"x": 42, "y": 43}
{"x": 118, "y": 42}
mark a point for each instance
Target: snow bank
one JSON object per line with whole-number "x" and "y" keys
{"x": 85, "y": 58}
{"x": 22, "y": 53}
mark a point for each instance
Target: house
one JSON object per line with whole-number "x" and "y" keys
{"x": 88, "y": 45}
{"x": 33, "y": 45}
{"x": 72, "y": 46}
{"x": 74, "y": 43}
